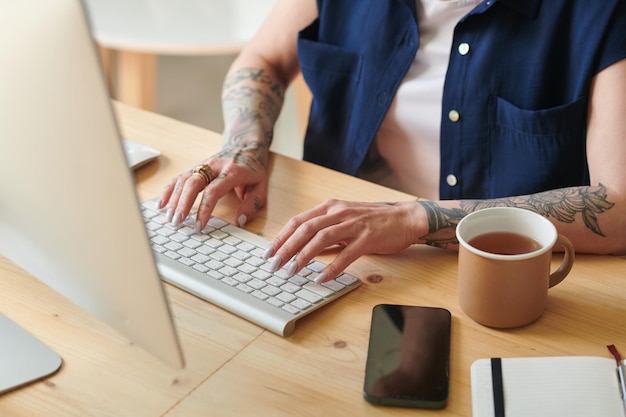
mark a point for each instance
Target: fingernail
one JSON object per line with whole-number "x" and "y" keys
{"x": 169, "y": 214}
{"x": 274, "y": 263}
{"x": 242, "y": 220}
{"x": 291, "y": 268}
{"x": 198, "y": 226}
{"x": 159, "y": 204}
{"x": 268, "y": 252}
{"x": 177, "y": 219}
{"x": 320, "y": 278}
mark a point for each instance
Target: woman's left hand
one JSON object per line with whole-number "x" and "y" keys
{"x": 357, "y": 228}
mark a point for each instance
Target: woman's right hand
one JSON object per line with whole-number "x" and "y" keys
{"x": 242, "y": 169}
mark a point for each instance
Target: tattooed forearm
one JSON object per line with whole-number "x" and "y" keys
{"x": 251, "y": 102}
{"x": 563, "y": 205}
{"x": 252, "y": 155}
{"x": 243, "y": 130}
{"x": 250, "y": 97}
{"x": 257, "y": 75}
{"x": 441, "y": 224}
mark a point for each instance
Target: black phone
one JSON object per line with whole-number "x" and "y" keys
{"x": 408, "y": 357}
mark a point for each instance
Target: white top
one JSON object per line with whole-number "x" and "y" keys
{"x": 408, "y": 139}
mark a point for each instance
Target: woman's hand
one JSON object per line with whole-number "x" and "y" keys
{"x": 357, "y": 228}
{"x": 242, "y": 169}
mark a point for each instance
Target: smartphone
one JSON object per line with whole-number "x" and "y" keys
{"x": 408, "y": 357}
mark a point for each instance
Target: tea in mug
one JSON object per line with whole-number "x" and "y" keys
{"x": 504, "y": 243}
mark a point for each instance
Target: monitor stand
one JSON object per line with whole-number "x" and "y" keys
{"x": 23, "y": 358}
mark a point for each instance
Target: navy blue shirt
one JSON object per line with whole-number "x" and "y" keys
{"x": 515, "y": 96}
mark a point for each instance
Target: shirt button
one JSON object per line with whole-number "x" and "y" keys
{"x": 451, "y": 180}
{"x": 454, "y": 116}
{"x": 464, "y": 48}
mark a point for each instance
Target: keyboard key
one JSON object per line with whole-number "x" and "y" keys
{"x": 254, "y": 261}
{"x": 191, "y": 243}
{"x": 245, "y": 288}
{"x": 239, "y": 254}
{"x": 271, "y": 291}
{"x": 228, "y": 271}
{"x": 275, "y": 281}
{"x": 316, "y": 266}
{"x": 217, "y": 223}
{"x": 218, "y": 256}
{"x": 186, "y": 261}
{"x": 275, "y": 302}
{"x": 159, "y": 240}
{"x": 262, "y": 275}
{"x": 164, "y": 231}
{"x": 205, "y": 250}
{"x": 179, "y": 237}
{"x": 201, "y": 268}
{"x": 232, "y": 240}
{"x": 218, "y": 234}
{"x": 290, "y": 287}
{"x": 200, "y": 258}
{"x": 241, "y": 277}
{"x": 245, "y": 268}
{"x": 346, "y": 279}
{"x": 214, "y": 274}
{"x": 257, "y": 284}
{"x": 246, "y": 246}
{"x": 286, "y": 297}
{"x": 318, "y": 289}
{"x": 300, "y": 304}
{"x": 213, "y": 243}
{"x": 213, "y": 264}
{"x": 227, "y": 249}
{"x": 187, "y": 252}
{"x": 334, "y": 285}
{"x": 298, "y": 280}
{"x": 261, "y": 296}
{"x": 290, "y": 309}
{"x": 230, "y": 281}
{"x": 233, "y": 262}
{"x": 173, "y": 246}
{"x": 309, "y": 296}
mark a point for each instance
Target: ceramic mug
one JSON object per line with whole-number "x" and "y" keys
{"x": 504, "y": 265}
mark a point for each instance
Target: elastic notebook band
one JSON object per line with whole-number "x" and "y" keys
{"x": 498, "y": 391}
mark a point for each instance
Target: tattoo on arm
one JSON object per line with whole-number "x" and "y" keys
{"x": 251, "y": 101}
{"x": 441, "y": 224}
{"x": 257, "y": 75}
{"x": 254, "y": 100}
{"x": 564, "y": 205}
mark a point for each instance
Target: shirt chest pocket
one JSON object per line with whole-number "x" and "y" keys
{"x": 537, "y": 150}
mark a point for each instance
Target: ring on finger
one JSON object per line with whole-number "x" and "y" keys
{"x": 203, "y": 171}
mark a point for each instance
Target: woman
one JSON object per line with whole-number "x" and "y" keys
{"x": 465, "y": 103}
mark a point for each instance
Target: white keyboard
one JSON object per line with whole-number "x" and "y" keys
{"x": 224, "y": 265}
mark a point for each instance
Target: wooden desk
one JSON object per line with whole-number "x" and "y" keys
{"x": 235, "y": 368}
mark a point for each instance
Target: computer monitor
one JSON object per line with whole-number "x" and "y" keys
{"x": 69, "y": 213}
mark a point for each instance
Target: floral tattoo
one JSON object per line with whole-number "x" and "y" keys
{"x": 251, "y": 100}
{"x": 563, "y": 205}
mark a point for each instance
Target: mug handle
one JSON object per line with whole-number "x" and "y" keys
{"x": 568, "y": 261}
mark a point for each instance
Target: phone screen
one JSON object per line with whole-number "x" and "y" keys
{"x": 408, "y": 356}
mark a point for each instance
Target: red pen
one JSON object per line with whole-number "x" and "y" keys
{"x": 620, "y": 371}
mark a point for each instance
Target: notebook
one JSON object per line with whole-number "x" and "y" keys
{"x": 568, "y": 386}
